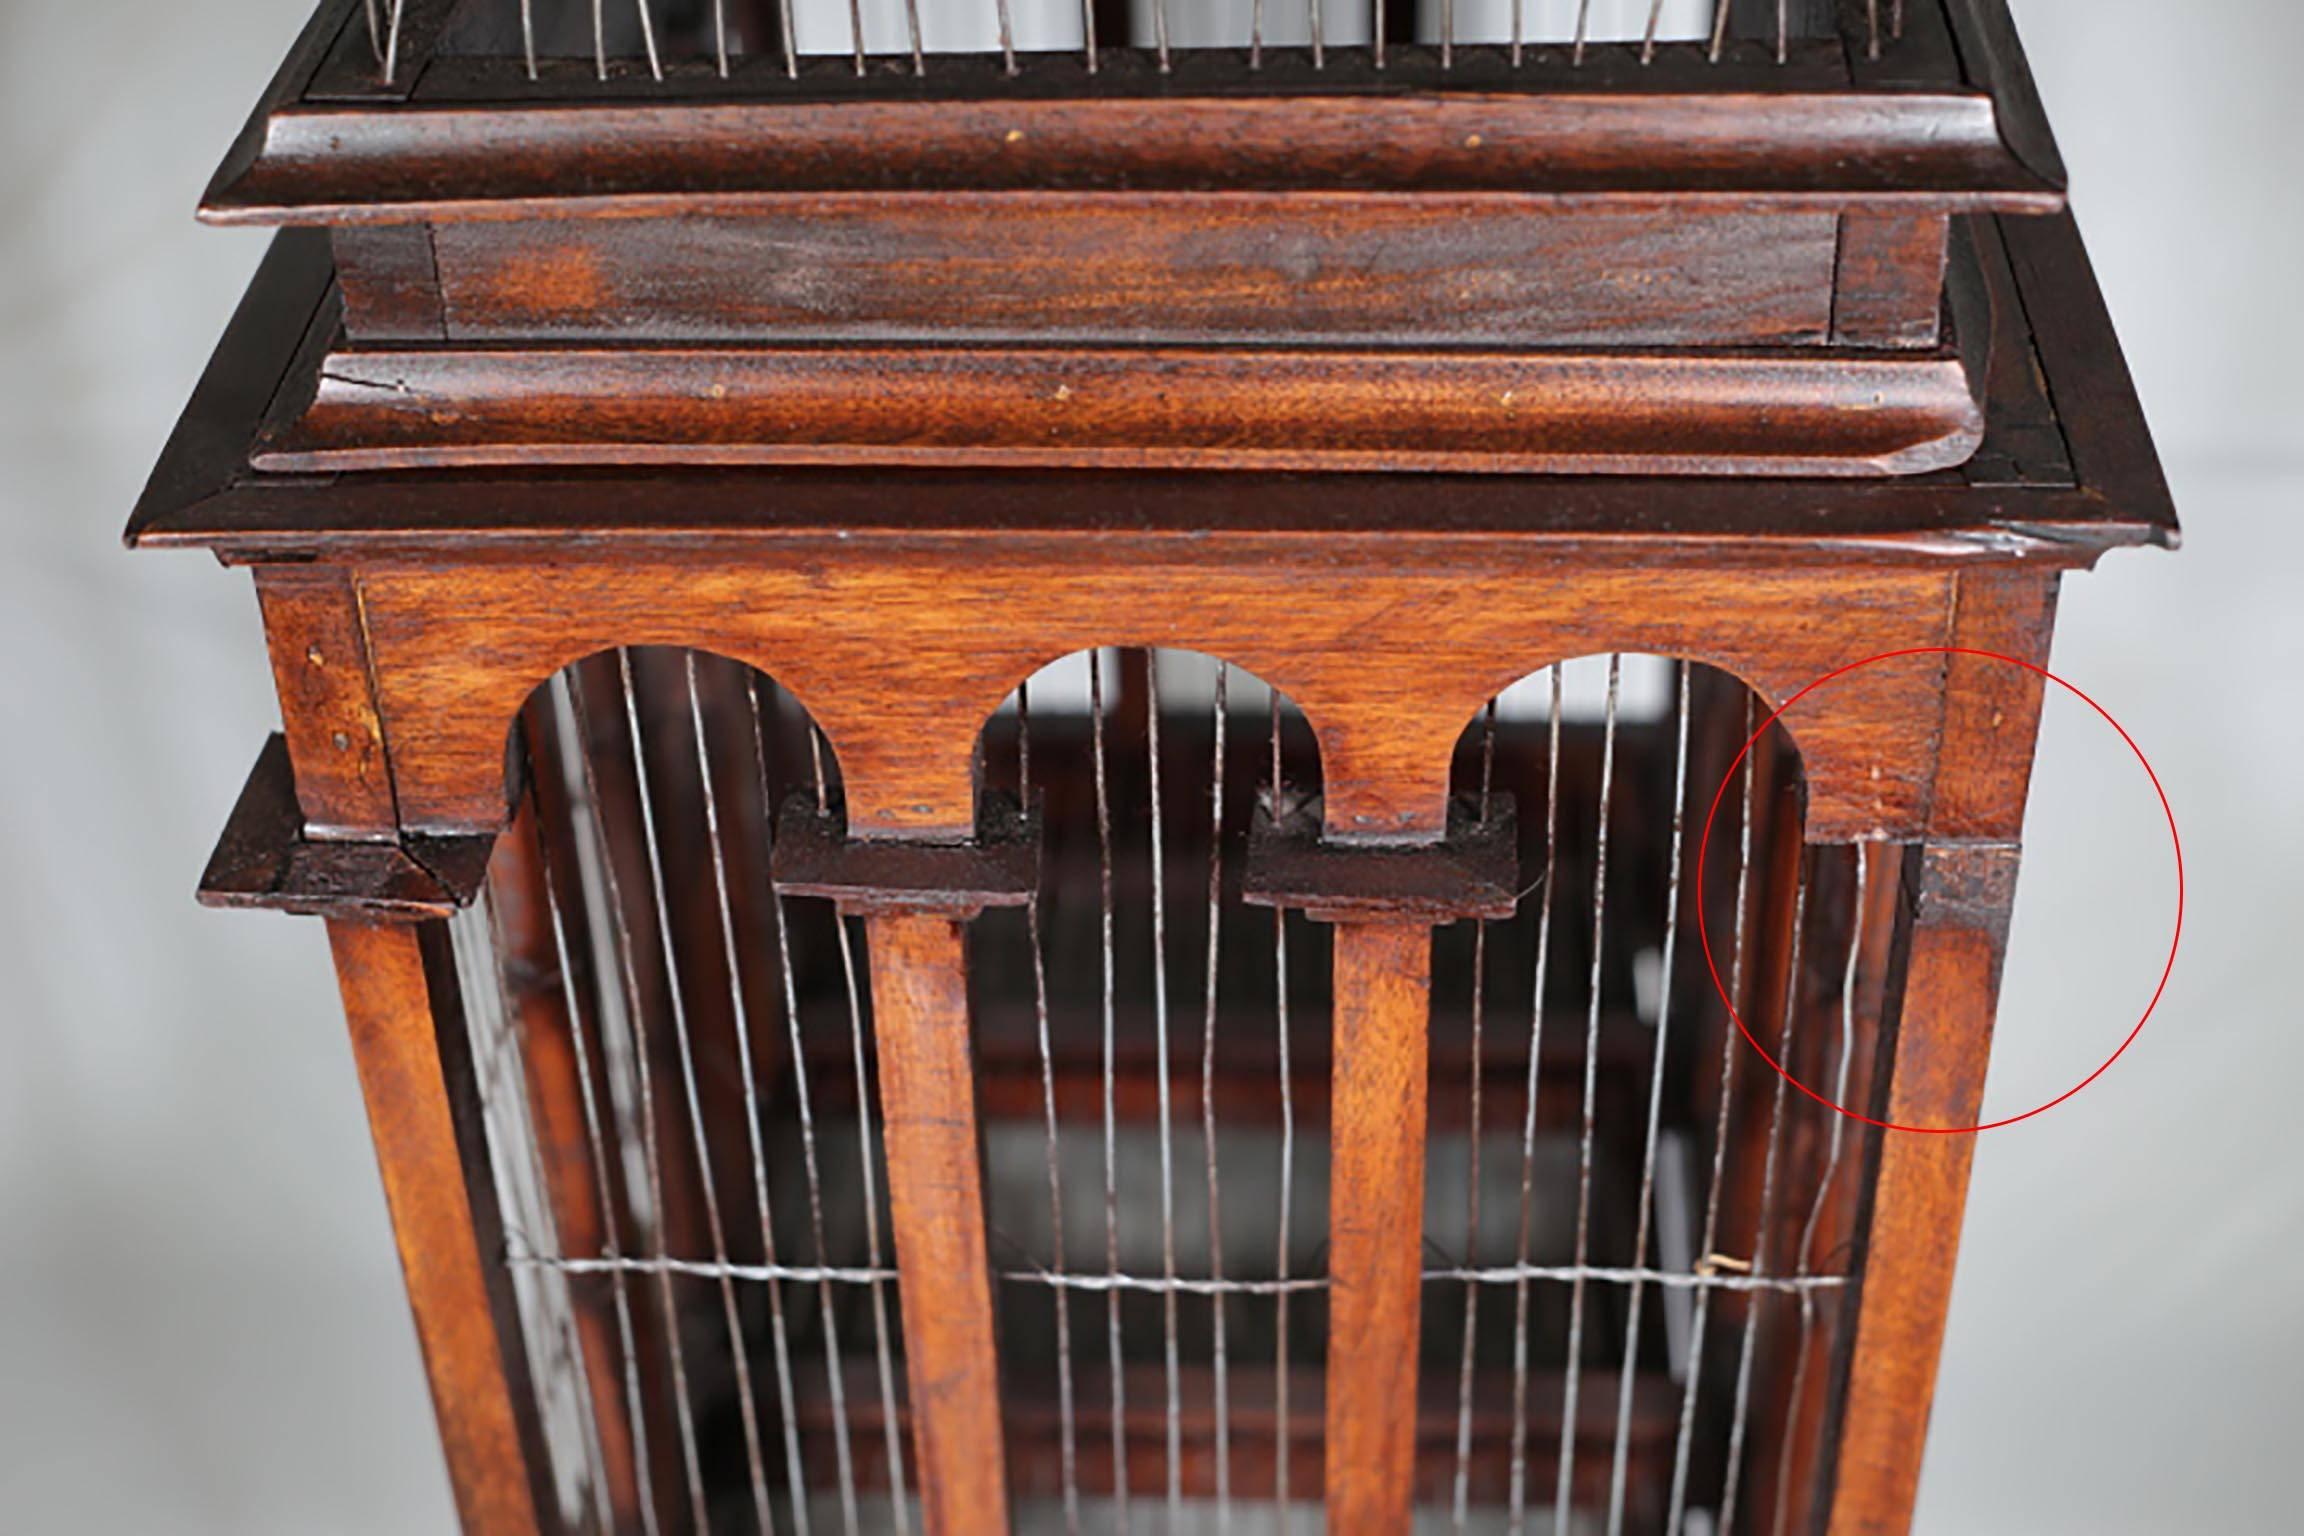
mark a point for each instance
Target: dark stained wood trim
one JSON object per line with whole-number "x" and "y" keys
{"x": 1800, "y": 411}
{"x": 1907, "y": 150}
{"x": 265, "y": 860}
{"x": 1888, "y": 286}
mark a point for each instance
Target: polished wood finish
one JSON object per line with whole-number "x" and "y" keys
{"x": 1376, "y": 1224}
{"x": 936, "y": 1201}
{"x": 401, "y": 1010}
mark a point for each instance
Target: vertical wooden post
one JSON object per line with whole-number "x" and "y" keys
{"x": 936, "y": 1208}
{"x": 407, "y": 1040}
{"x": 1383, "y": 984}
{"x": 1965, "y": 892}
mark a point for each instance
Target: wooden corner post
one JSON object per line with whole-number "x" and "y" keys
{"x": 916, "y": 899}
{"x": 316, "y": 832}
{"x": 1964, "y": 892}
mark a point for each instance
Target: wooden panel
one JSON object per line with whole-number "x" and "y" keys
{"x": 1889, "y": 287}
{"x": 936, "y": 1211}
{"x": 398, "y": 1045}
{"x": 1795, "y": 411}
{"x": 902, "y": 662}
{"x": 1235, "y": 270}
{"x": 1383, "y": 992}
{"x": 390, "y": 285}
{"x": 319, "y": 646}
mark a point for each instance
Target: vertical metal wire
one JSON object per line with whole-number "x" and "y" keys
{"x": 912, "y": 27}
{"x": 1564, "y": 1486}
{"x": 1872, "y": 29}
{"x": 376, "y": 30}
{"x": 719, "y": 35}
{"x": 392, "y": 44}
{"x": 856, "y": 32}
{"x": 1256, "y": 34}
{"x": 791, "y": 65}
{"x": 611, "y": 1224}
{"x": 1378, "y": 34}
{"x": 1702, "y": 1311}
{"x": 527, "y": 31}
{"x": 804, "y": 1109}
{"x": 755, "y": 1462}
{"x": 883, "y": 1359}
{"x": 1802, "y": 1258}
{"x": 599, "y": 40}
{"x": 1111, "y": 1145}
{"x": 1461, "y": 1507}
{"x": 1631, "y": 1357}
{"x": 1173, "y": 1367}
{"x": 1160, "y": 32}
{"x": 648, "y": 40}
{"x": 1648, "y": 32}
{"x": 1088, "y": 48}
{"x": 1319, "y": 61}
{"x": 1519, "y": 30}
{"x": 1519, "y": 1490}
{"x": 779, "y": 1335}
{"x": 1067, "y": 1413}
{"x": 1719, "y": 46}
{"x": 652, "y": 1155}
{"x": 676, "y": 990}
{"x": 533, "y": 1196}
{"x": 1783, "y": 30}
{"x": 1447, "y": 34}
{"x": 1745, "y": 1355}
{"x": 1223, "y": 1402}
{"x": 1003, "y": 10}
{"x": 1280, "y": 1496}
{"x": 1583, "y": 30}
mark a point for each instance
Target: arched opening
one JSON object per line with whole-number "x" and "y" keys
{"x": 1637, "y": 1235}
{"x": 673, "y": 1065}
{"x": 1153, "y": 1067}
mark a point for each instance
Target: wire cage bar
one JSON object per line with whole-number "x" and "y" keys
{"x": 726, "y": 38}
{"x": 1637, "y": 1247}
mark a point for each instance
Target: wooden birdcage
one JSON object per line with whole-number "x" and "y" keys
{"x": 1041, "y": 769}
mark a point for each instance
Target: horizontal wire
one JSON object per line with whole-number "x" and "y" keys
{"x": 1500, "y": 1274}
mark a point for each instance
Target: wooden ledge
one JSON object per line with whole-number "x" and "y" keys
{"x": 1000, "y": 867}
{"x": 1474, "y": 873}
{"x": 265, "y": 860}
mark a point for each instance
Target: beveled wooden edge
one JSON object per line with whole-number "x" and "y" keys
{"x": 1000, "y": 867}
{"x": 1750, "y": 412}
{"x": 1908, "y": 150}
{"x": 264, "y": 860}
{"x": 1475, "y": 872}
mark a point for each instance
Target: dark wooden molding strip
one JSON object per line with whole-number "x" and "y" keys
{"x": 265, "y": 860}
{"x": 1474, "y": 873}
{"x": 1915, "y": 151}
{"x": 1000, "y": 867}
{"x": 1798, "y": 411}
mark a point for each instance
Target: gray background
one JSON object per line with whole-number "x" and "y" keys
{"x": 200, "y": 1320}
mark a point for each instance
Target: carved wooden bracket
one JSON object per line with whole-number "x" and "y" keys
{"x": 875, "y": 876}
{"x": 1472, "y": 872}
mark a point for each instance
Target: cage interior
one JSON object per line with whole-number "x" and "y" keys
{"x": 1638, "y": 1241}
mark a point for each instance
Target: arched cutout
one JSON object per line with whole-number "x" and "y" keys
{"x": 1138, "y": 1124}
{"x": 1605, "y": 1152}
{"x": 675, "y": 1066}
